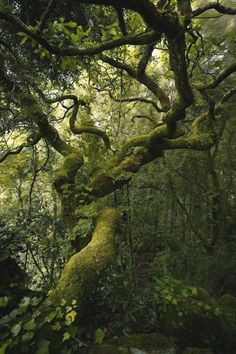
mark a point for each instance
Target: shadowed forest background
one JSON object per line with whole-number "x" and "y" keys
{"x": 117, "y": 177}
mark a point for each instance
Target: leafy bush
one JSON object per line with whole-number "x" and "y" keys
{"x": 30, "y": 329}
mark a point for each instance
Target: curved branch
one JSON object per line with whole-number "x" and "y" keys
{"x": 136, "y": 99}
{"x": 221, "y": 77}
{"x": 145, "y": 59}
{"x": 228, "y": 94}
{"x": 78, "y": 129}
{"x": 216, "y": 6}
{"x": 92, "y": 130}
{"x": 146, "y": 117}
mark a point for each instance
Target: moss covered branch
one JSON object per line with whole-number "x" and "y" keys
{"x": 72, "y": 121}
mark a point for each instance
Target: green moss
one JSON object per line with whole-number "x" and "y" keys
{"x": 82, "y": 272}
{"x": 200, "y": 141}
{"x": 68, "y": 170}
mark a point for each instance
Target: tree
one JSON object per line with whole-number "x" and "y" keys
{"x": 123, "y": 40}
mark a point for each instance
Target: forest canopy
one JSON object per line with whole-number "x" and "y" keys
{"x": 117, "y": 171}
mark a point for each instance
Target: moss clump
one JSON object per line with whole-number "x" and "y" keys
{"x": 82, "y": 272}
{"x": 68, "y": 170}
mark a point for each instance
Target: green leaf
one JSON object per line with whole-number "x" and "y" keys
{"x": 71, "y": 24}
{"x": 206, "y": 307}
{"x": 22, "y": 34}
{"x": 66, "y": 336}
{"x": 24, "y": 39}
{"x": 30, "y": 325}
{"x": 57, "y": 326}
{"x": 217, "y": 311}
{"x": 43, "y": 54}
{"x": 168, "y": 297}
{"x": 4, "y": 346}
{"x": 99, "y": 336}
{"x": 16, "y": 329}
{"x": 174, "y": 302}
{"x": 27, "y": 336}
{"x": 50, "y": 317}
{"x": 194, "y": 291}
{"x": 43, "y": 347}
{"x": 4, "y": 301}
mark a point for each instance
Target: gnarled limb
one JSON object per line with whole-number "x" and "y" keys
{"x": 74, "y": 128}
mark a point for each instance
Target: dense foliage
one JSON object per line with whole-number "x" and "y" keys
{"x": 117, "y": 175}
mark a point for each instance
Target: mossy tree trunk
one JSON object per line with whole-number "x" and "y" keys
{"x": 82, "y": 272}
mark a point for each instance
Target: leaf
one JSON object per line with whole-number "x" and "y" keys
{"x": 27, "y": 336}
{"x": 30, "y": 325}
{"x": 43, "y": 347}
{"x": 24, "y": 39}
{"x": 16, "y": 329}
{"x": 50, "y": 317}
{"x": 194, "y": 291}
{"x": 4, "y": 346}
{"x": 168, "y": 297}
{"x": 57, "y": 326}
{"x": 22, "y": 34}
{"x": 174, "y": 302}
{"x": 71, "y": 24}
{"x": 217, "y": 311}
{"x": 3, "y": 301}
{"x": 99, "y": 336}
{"x": 66, "y": 336}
